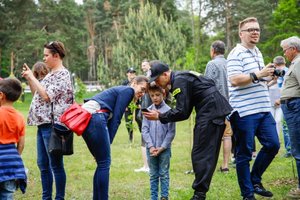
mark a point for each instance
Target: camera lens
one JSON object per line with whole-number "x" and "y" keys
{"x": 279, "y": 73}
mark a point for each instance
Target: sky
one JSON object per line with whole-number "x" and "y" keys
{"x": 78, "y": 1}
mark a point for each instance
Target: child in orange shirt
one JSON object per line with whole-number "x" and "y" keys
{"x": 12, "y": 132}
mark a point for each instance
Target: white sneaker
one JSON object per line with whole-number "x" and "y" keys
{"x": 142, "y": 169}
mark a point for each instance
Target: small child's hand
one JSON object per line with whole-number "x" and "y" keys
{"x": 160, "y": 149}
{"x": 153, "y": 151}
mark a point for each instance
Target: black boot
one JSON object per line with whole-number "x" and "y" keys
{"x": 198, "y": 196}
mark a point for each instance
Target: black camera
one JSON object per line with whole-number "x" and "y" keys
{"x": 278, "y": 72}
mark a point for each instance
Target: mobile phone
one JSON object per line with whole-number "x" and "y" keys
{"x": 145, "y": 110}
{"x": 24, "y": 67}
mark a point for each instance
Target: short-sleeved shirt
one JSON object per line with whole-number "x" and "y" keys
{"x": 58, "y": 87}
{"x": 12, "y": 126}
{"x": 254, "y": 97}
{"x": 291, "y": 84}
{"x": 216, "y": 70}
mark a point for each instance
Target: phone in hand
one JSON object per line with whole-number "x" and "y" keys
{"x": 24, "y": 67}
{"x": 145, "y": 110}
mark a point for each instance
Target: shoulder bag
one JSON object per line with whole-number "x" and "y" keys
{"x": 61, "y": 139}
{"x": 76, "y": 118}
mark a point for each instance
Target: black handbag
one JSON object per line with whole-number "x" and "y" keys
{"x": 61, "y": 139}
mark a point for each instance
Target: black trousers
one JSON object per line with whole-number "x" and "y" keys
{"x": 129, "y": 122}
{"x": 205, "y": 153}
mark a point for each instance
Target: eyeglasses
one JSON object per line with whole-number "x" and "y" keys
{"x": 52, "y": 44}
{"x": 284, "y": 50}
{"x": 251, "y": 30}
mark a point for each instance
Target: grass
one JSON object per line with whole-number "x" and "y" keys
{"x": 126, "y": 184}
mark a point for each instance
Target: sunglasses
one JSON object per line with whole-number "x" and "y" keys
{"x": 284, "y": 50}
{"x": 251, "y": 30}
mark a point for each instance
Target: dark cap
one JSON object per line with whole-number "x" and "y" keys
{"x": 157, "y": 68}
{"x": 131, "y": 70}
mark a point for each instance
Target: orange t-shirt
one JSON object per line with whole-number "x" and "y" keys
{"x": 12, "y": 125}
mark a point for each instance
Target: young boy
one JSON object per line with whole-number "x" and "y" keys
{"x": 158, "y": 138}
{"x": 12, "y": 132}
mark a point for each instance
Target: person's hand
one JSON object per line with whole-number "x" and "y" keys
{"x": 277, "y": 103}
{"x": 27, "y": 73}
{"x": 151, "y": 115}
{"x": 153, "y": 151}
{"x": 160, "y": 149}
{"x": 268, "y": 70}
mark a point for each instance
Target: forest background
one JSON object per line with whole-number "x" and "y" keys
{"x": 103, "y": 38}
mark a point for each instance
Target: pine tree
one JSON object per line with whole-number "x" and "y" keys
{"x": 147, "y": 35}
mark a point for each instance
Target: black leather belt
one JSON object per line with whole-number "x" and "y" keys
{"x": 288, "y": 100}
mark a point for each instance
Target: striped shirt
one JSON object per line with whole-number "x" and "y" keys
{"x": 254, "y": 97}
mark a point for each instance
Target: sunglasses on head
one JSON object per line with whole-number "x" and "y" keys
{"x": 53, "y": 45}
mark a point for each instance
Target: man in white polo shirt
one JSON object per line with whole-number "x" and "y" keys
{"x": 249, "y": 97}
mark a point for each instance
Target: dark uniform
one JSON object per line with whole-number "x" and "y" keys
{"x": 191, "y": 90}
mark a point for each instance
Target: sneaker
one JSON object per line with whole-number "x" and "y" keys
{"x": 294, "y": 194}
{"x": 287, "y": 155}
{"x": 164, "y": 198}
{"x": 189, "y": 172}
{"x": 142, "y": 169}
{"x": 224, "y": 170}
{"x": 249, "y": 198}
{"x": 260, "y": 190}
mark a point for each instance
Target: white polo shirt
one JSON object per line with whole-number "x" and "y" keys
{"x": 254, "y": 97}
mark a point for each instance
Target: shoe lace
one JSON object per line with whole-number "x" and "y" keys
{"x": 260, "y": 186}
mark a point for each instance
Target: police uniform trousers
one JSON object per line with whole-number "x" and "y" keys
{"x": 208, "y": 133}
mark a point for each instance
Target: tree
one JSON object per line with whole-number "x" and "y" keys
{"x": 147, "y": 35}
{"x": 285, "y": 23}
{"x": 225, "y": 16}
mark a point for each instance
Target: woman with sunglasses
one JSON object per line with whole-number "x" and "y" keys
{"x": 55, "y": 89}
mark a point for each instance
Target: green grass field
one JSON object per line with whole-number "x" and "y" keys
{"x": 127, "y": 184}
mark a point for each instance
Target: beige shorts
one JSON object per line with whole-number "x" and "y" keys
{"x": 228, "y": 131}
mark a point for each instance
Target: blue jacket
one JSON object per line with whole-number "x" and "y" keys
{"x": 155, "y": 133}
{"x": 114, "y": 99}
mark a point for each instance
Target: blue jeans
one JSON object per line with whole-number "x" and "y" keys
{"x": 159, "y": 171}
{"x": 263, "y": 126}
{"x": 49, "y": 165}
{"x": 97, "y": 138}
{"x": 291, "y": 112}
{"x": 286, "y": 137}
{"x": 7, "y": 189}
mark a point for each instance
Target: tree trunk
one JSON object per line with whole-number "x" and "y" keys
{"x": 228, "y": 5}
{"x": 0, "y": 61}
{"x": 12, "y": 63}
{"x": 198, "y": 50}
{"x": 91, "y": 51}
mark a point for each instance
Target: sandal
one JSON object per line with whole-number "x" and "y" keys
{"x": 224, "y": 170}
